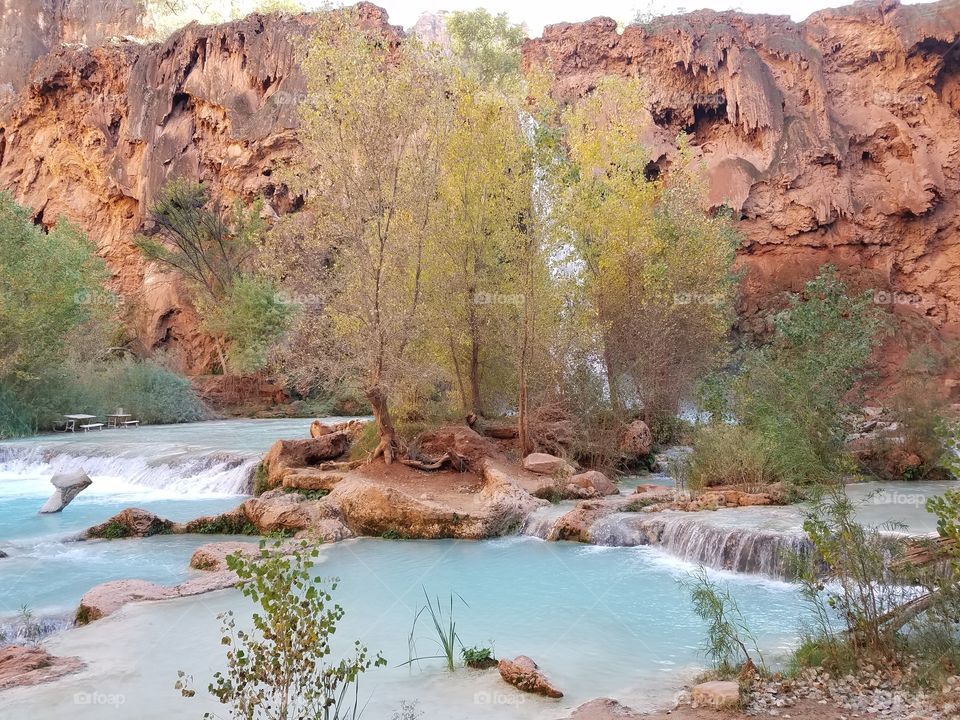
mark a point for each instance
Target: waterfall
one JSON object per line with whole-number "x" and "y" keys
{"x": 540, "y": 522}
{"x": 174, "y": 469}
{"x": 691, "y": 538}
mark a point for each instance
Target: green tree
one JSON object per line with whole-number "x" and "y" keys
{"x": 52, "y": 302}
{"x": 281, "y": 669}
{"x": 656, "y": 266}
{"x": 373, "y": 129}
{"x": 486, "y": 46}
{"x": 213, "y": 250}
{"x": 471, "y": 274}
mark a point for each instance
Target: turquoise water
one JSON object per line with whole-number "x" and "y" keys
{"x": 600, "y": 622}
{"x": 176, "y": 471}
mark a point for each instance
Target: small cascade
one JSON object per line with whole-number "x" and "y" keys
{"x": 26, "y": 628}
{"x": 689, "y": 537}
{"x": 171, "y": 469}
{"x": 541, "y": 522}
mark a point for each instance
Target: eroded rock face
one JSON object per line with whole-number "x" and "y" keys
{"x": 298, "y": 463}
{"x": 31, "y": 28}
{"x": 97, "y": 131}
{"x": 833, "y": 140}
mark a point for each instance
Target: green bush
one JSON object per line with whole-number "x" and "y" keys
{"x": 792, "y": 396}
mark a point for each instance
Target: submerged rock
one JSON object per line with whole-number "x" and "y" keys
{"x": 604, "y": 709}
{"x": 132, "y": 522}
{"x": 67, "y": 487}
{"x": 31, "y": 665}
{"x": 524, "y": 674}
{"x": 212, "y": 557}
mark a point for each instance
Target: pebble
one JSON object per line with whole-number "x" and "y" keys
{"x": 873, "y": 693}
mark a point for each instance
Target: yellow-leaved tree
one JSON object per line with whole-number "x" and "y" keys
{"x": 373, "y": 129}
{"x": 657, "y": 264}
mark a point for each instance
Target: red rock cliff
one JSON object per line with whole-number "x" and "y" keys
{"x": 835, "y": 140}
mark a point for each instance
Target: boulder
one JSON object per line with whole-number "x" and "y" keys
{"x": 718, "y": 694}
{"x": 544, "y": 464}
{"x": 212, "y": 557}
{"x": 637, "y": 440}
{"x": 318, "y": 429}
{"x": 31, "y": 665}
{"x": 591, "y": 484}
{"x": 524, "y": 674}
{"x": 67, "y": 487}
{"x": 303, "y": 457}
{"x": 132, "y": 522}
{"x": 604, "y": 709}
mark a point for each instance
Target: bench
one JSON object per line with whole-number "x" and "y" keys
{"x": 131, "y": 423}
{"x": 92, "y": 426}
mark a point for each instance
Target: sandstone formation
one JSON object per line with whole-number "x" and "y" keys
{"x": 212, "y": 557}
{"x": 832, "y": 140}
{"x": 525, "y": 674}
{"x": 30, "y": 29}
{"x": 31, "y": 665}
{"x": 718, "y": 694}
{"x": 303, "y": 464}
{"x": 66, "y": 487}
{"x": 107, "y": 598}
{"x": 97, "y": 131}
{"x": 637, "y": 440}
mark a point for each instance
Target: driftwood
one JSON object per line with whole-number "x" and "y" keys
{"x": 451, "y": 459}
{"x": 925, "y": 552}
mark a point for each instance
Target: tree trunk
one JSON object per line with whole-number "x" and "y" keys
{"x": 615, "y": 402}
{"x": 523, "y": 416}
{"x": 218, "y": 343}
{"x": 475, "y": 377}
{"x": 381, "y": 414}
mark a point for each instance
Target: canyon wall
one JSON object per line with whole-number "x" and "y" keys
{"x": 30, "y": 29}
{"x": 835, "y": 139}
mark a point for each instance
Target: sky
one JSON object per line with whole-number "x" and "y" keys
{"x": 537, "y": 13}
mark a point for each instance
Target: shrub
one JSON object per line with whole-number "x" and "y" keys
{"x": 792, "y": 396}
{"x": 729, "y": 641}
{"x": 478, "y": 658}
{"x": 281, "y": 670}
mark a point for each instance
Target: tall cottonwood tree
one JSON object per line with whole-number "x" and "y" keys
{"x": 373, "y": 129}
{"x": 473, "y": 274}
{"x": 657, "y": 266}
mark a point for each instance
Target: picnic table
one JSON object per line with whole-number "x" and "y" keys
{"x": 84, "y": 420}
{"x": 118, "y": 419}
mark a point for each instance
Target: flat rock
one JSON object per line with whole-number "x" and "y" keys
{"x": 66, "y": 487}
{"x": 523, "y": 673}
{"x": 107, "y": 598}
{"x": 719, "y": 694}
{"x": 545, "y": 464}
{"x": 31, "y": 665}
{"x": 604, "y": 709}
